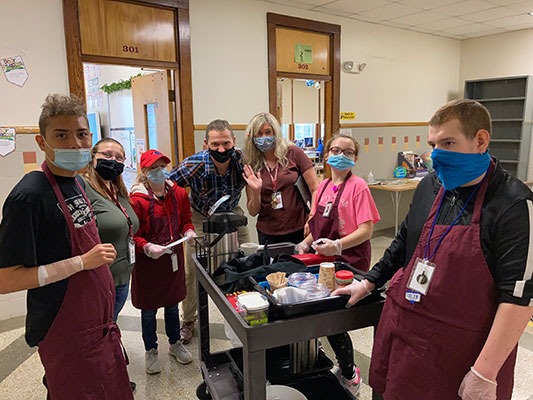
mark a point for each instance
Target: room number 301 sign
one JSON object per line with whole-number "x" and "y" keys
{"x": 130, "y": 49}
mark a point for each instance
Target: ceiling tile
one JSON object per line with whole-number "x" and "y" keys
{"x": 487, "y": 15}
{"x": 523, "y": 6}
{"x": 329, "y": 11}
{"x": 391, "y": 11}
{"x": 464, "y": 7}
{"x": 504, "y": 2}
{"x": 445, "y": 24}
{"x": 351, "y": 7}
{"x": 395, "y": 24}
{"x": 419, "y": 29}
{"x": 291, "y": 3}
{"x": 485, "y": 33}
{"x": 364, "y": 18}
{"x": 518, "y": 27}
{"x": 427, "y": 4}
{"x": 463, "y": 30}
{"x": 420, "y": 18}
{"x": 510, "y": 21}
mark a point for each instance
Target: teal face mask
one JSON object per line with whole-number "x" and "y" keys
{"x": 71, "y": 159}
{"x": 158, "y": 176}
{"x": 340, "y": 162}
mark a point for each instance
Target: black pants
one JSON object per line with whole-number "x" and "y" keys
{"x": 343, "y": 348}
{"x": 293, "y": 237}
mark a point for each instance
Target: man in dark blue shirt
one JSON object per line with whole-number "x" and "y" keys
{"x": 210, "y": 174}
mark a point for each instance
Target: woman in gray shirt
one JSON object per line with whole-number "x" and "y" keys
{"x": 116, "y": 220}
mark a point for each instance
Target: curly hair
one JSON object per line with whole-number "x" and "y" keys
{"x": 252, "y": 155}
{"x": 57, "y": 105}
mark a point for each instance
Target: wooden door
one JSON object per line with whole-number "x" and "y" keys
{"x": 152, "y": 114}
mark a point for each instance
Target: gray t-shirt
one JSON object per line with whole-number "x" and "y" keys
{"x": 113, "y": 228}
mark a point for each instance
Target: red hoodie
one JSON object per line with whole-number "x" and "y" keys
{"x": 141, "y": 205}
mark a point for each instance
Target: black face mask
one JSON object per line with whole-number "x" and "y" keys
{"x": 221, "y": 156}
{"x": 109, "y": 170}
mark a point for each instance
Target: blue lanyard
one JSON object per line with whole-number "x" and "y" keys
{"x": 452, "y": 224}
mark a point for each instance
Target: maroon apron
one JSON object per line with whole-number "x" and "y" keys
{"x": 82, "y": 353}
{"x": 153, "y": 283}
{"x": 328, "y": 227}
{"x": 423, "y": 350}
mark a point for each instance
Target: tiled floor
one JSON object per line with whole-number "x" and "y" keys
{"x": 21, "y": 371}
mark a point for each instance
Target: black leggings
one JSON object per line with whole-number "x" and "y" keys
{"x": 293, "y": 237}
{"x": 343, "y": 348}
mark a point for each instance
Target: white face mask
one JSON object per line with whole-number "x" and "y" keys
{"x": 70, "y": 159}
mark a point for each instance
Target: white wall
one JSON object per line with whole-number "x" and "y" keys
{"x": 36, "y": 32}
{"x": 505, "y": 54}
{"x": 409, "y": 74}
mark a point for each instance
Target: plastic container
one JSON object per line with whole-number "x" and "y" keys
{"x": 315, "y": 290}
{"x": 281, "y": 392}
{"x": 343, "y": 278}
{"x": 253, "y": 307}
{"x": 297, "y": 279}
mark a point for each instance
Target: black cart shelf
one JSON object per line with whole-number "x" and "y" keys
{"x": 218, "y": 369}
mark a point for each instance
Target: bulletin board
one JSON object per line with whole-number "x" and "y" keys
{"x": 300, "y": 51}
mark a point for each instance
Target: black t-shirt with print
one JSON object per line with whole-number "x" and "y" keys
{"x": 33, "y": 232}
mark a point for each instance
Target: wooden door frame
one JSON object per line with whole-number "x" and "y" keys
{"x": 332, "y": 81}
{"x": 183, "y": 76}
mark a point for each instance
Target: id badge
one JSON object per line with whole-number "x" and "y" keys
{"x": 174, "y": 258}
{"x": 277, "y": 201}
{"x": 131, "y": 251}
{"x": 421, "y": 275}
{"x": 327, "y": 209}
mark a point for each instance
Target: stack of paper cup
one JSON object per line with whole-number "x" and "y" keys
{"x": 326, "y": 275}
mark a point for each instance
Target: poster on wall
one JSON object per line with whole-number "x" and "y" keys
{"x": 7, "y": 141}
{"x": 14, "y": 70}
{"x": 126, "y": 139}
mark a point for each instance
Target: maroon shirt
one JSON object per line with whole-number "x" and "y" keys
{"x": 292, "y": 216}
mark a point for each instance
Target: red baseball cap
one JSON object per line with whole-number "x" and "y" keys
{"x": 151, "y": 156}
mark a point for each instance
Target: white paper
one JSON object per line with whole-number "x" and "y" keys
{"x": 7, "y": 141}
{"x": 169, "y": 246}
{"x": 14, "y": 70}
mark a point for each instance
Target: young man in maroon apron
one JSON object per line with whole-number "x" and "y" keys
{"x": 461, "y": 288}
{"x": 51, "y": 247}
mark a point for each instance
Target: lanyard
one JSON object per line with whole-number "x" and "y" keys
{"x": 114, "y": 197}
{"x": 451, "y": 225}
{"x": 275, "y": 177}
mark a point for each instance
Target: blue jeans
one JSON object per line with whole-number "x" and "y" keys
{"x": 121, "y": 294}
{"x": 149, "y": 326}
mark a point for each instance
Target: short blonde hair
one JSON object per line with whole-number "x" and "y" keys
{"x": 255, "y": 157}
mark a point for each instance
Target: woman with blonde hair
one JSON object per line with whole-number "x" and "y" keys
{"x": 271, "y": 169}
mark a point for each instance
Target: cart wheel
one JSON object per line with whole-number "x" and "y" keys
{"x": 202, "y": 392}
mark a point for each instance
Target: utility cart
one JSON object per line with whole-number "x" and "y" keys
{"x": 242, "y": 373}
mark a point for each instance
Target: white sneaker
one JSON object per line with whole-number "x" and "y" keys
{"x": 153, "y": 366}
{"x": 352, "y": 385}
{"x": 179, "y": 351}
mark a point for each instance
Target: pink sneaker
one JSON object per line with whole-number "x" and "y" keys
{"x": 352, "y": 385}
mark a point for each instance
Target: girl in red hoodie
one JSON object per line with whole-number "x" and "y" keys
{"x": 158, "y": 278}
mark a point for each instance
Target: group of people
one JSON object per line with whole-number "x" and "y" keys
{"x": 73, "y": 240}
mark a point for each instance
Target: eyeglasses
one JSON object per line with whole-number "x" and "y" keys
{"x": 347, "y": 152}
{"x": 110, "y": 156}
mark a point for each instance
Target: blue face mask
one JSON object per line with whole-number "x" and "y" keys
{"x": 340, "y": 162}
{"x": 265, "y": 143}
{"x": 158, "y": 176}
{"x": 455, "y": 169}
{"x": 71, "y": 159}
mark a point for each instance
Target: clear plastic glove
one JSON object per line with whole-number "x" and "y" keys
{"x": 327, "y": 247}
{"x": 155, "y": 251}
{"x": 302, "y": 248}
{"x": 358, "y": 290}
{"x": 190, "y": 235}
{"x": 476, "y": 387}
